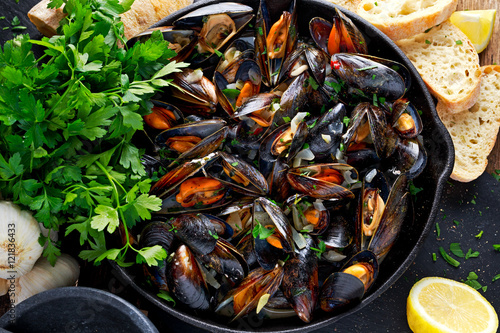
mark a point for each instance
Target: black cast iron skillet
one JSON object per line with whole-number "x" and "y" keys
{"x": 439, "y": 166}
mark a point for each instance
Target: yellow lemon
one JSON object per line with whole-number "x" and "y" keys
{"x": 477, "y": 25}
{"x": 438, "y": 305}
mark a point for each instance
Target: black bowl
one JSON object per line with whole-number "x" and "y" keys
{"x": 76, "y": 309}
{"x": 439, "y": 166}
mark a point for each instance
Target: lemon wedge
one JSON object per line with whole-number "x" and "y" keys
{"x": 438, "y": 305}
{"x": 477, "y": 25}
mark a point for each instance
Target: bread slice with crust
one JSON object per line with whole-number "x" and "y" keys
{"x": 142, "y": 15}
{"x": 448, "y": 64}
{"x": 474, "y": 131}
{"x": 401, "y": 19}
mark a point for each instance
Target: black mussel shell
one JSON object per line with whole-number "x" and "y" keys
{"x": 340, "y": 292}
{"x": 186, "y": 282}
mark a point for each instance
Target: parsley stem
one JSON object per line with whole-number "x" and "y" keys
{"x": 60, "y": 99}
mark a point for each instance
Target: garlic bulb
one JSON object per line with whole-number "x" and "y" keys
{"x": 19, "y": 247}
{"x": 44, "y": 277}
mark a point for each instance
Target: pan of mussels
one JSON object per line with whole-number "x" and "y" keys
{"x": 286, "y": 157}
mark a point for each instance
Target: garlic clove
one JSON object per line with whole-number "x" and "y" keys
{"x": 19, "y": 247}
{"x": 43, "y": 277}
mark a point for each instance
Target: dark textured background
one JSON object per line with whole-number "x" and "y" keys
{"x": 388, "y": 312}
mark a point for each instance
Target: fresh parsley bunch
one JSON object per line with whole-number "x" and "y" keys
{"x": 66, "y": 124}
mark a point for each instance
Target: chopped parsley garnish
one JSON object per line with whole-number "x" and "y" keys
{"x": 320, "y": 249}
{"x": 456, "y": 250}
{"x": 471, "y": 254}
{"x": 261, "y": 232}
{"x": 447, "y": 258}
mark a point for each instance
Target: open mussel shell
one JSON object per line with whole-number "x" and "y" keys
{"x": 406, "y": 119}
{"x": 193, "y": 92}
{"x": 308, "y": 214}
{"x": 323, "y": 181}
{"x": 186, "y": 281}
{"x": 231, "y": 95}
{"x": 240, "y": 49}
{"x": 369, "y": 123}
{"x": 231, "y": 18}
{"x": 259, "y": 108}
{"x": 226, "y": 260}
{"x": 163, "y": 116}
{"x": 195, "y": 18}
{"x": 372, "y": 201}
{"x": 305, "y": 58}
{"x": 300, "y": 282}
{"x": 182, "y": 41}
{"x": 192, "y": 140}
{"x": 394, "y": 215}
{"x": 269, "y": 250}
{"x": 274, "y": 40}
{"x": 168, "y": 184}
{"x": 247, "y": 295}
{"x": 368, "y": 76}
{"x": 320, "y": 30}
{"x": 325, "y": 135}
{"x": 339, "y": 36}
{"x": 365, "y": 266}
{"x": 196, "y": 194}
{"x": 238, "y": 175}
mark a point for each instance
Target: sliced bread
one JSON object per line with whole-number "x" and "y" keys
{"x": 448, "y": 64}
{"x": 474, "y": 131}
{"x": 401, "y": 19}
{"x": 141, "y": 16}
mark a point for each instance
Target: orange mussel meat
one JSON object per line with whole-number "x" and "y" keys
{"x": 200, "y": 190}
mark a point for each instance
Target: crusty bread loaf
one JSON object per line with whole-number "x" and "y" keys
{"x": 401, "y": 19}
{"x": 351, "y": 5}
{"x": 448, "y": 64}
{"x": 141, "y": 16}
{"x": 474, "y": 131}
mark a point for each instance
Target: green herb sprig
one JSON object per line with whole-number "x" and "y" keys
{"x": 66, "y": 124}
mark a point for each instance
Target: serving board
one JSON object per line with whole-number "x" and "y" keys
{"x": 465, "y": 211}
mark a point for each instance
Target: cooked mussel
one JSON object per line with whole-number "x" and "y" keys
{"x": 300, "y": 281}
{"x": 192, "y": 140}
{"x": 406, "y": 119}
{"x": 186, "y": 281}
{"x": 196, "y": 231}
{"x": 234, "y": 92}
{"x": 218, "y": 25}
{"x": 272, "y": 233}
{"x": 308, "y": 214}
{"x": 340, "y": 36}
{"x": 345, "y": 289}
{"x": 274, "y": 41}
{"x": 226, "y": 260}
{"x": 163, "y": 116}
{"x": 368, "y": 77}
{"x": 194, "y": 93}
{"x": 239, "y": 175}
{"x": 323, "y": 181}
{"x": 259, "y": 284}
{"x": 326, "y": 132}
